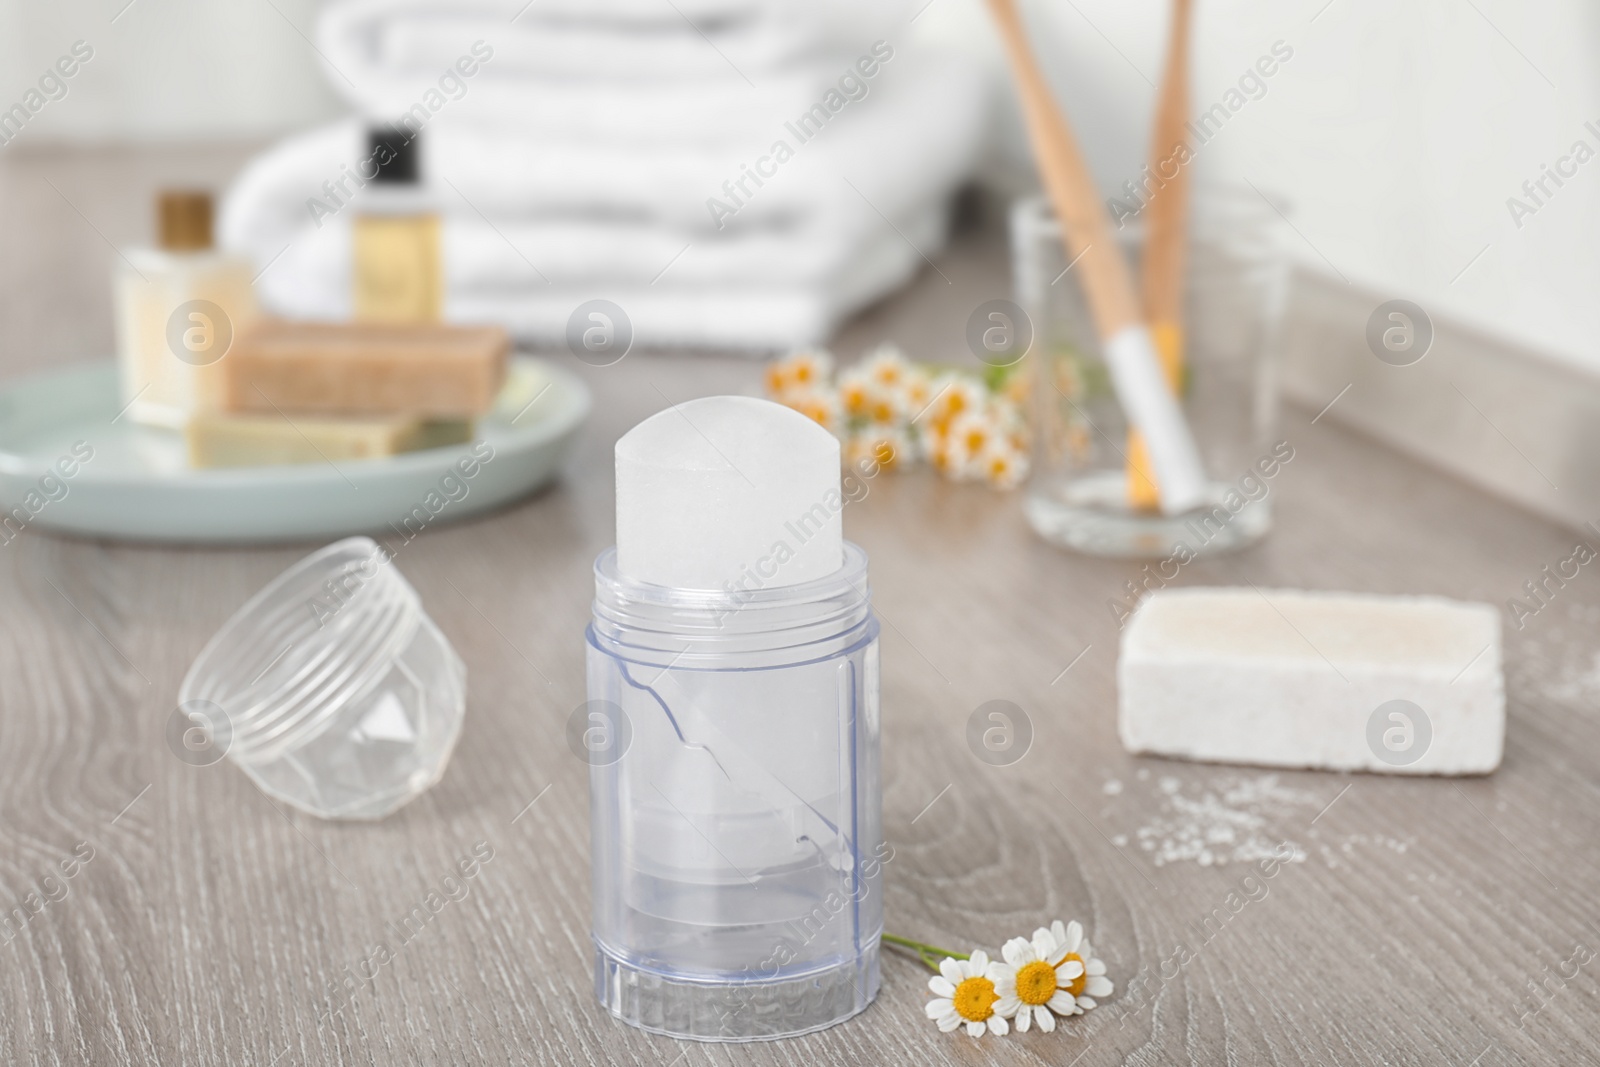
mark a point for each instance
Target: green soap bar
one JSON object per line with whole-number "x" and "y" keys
{"x": 276, "y": 440}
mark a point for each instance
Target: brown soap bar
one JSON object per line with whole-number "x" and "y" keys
{"x": 427, "y": 370}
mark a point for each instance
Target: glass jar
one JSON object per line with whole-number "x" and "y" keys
{"x": 1079, "y": 492}
{"x": 735, "y": 803}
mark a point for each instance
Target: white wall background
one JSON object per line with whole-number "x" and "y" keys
{"x": 1397, "y": 131}
{"x": 167, "y": 69}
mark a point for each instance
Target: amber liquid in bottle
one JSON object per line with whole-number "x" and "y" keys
{"x": 395, "y": 255}
{"x": 179, "y": 309}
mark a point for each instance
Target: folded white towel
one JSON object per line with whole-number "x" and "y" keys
{"x": 388, "y": 56}
{"x": 426, "y": 44}
{"x": 843, "y": 23}
{"x": 732, "y": 298}
{"x": 910, "y": 140}
{"x": 636, "y": 179}
{"x": 518, "y": 256}
{"x": 753, "y": 322}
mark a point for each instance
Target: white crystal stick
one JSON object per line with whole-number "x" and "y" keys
{"x": 728, "y": 491}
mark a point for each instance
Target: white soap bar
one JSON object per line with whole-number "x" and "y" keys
{"x": 728, "y": 492}
{"x": 1340, "y": 681}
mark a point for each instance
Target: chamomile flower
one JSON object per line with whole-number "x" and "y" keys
{"x": 970, "y": 436}
{"x": 939, "y": 450}
{"x": 915, "y": 389}
{"x": 885, "y": 407}
{"x": 886, "y": 366}
{"x": 1003, "y": 465}
{"x": 805, "y": 369}
{"x": 1054, "y": 973}
{"x": 856, "y": 393}
{"x": 954, "y": 395}
{"x": 888, "y": 449}
{"x": 1035, "y": 982}
{"x": 821, "y": 405}
{"x": 1076, "y": 947}
{"x": 964, "y": 994}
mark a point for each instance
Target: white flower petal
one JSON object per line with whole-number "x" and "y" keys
{"x": 1098, "y": 986}
{"x": 938, "y": 1008}
{"x": 1062, "y": 1003}
{"x": 1046, "y": 1021}
{"x": 1043, "y": 944}
{"x": 952, "y": 970}
{"x": 1024, "y": 1019}
{"x": 1086, "y": 1002}
{"x": 1007, "y": 1005}
{"x": 1073, "y": 938}
{"x": 942, "y": 986}
{"x": 1085, "y": 949}
{"x": 998, "y": 972}
{"x": 1068, "y": 970}
{"x": 1012, "y": 951}
{"x": 949, "y": 1023}
{"x": 1096, "y": 967}
{"x": 1006, "y": 984}
{"x": 978, "y": 963}
{"x": 975, "y": 1029}
{"x": 998, "y": 1026}
{"x": 1059, "y": 929}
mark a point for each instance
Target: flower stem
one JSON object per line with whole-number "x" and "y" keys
{"x": 929, "y": 954}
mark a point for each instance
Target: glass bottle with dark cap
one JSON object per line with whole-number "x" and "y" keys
{"x": 397, "y": 274}
{"x": 179, "y": 308}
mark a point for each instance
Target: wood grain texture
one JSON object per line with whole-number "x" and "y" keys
{"x": 210, "y": 922}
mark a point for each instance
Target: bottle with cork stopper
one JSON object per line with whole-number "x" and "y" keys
{"x": 179, "y": 308}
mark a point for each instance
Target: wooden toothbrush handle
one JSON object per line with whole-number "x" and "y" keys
{"x": 1085, "y": 228}
{"x": 1167, "y": 216}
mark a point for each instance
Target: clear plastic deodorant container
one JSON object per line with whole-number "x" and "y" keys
{"x": 732, "y": 737}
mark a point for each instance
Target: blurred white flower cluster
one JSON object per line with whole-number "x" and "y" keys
{"x": 894, "y": 411}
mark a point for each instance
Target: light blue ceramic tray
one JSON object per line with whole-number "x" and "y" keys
{"x": 136, "y": 485}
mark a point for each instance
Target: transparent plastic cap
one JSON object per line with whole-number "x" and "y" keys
{"x": 331, "y": 687}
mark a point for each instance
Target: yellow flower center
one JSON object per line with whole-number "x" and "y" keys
{"x": 1075, "y": 987}
{"x": 974, "y": 999}
{"x": 1036, "y": 982}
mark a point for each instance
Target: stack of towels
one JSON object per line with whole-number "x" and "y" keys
{"x": 731, "y": 173}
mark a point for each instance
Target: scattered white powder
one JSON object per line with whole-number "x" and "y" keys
{"x": 1551, "y": 657}
{"x": 1346, "y": 848}
{"x": 1111, "y": 788}
{"x": 1576, "y": 685}
{"x": 1237, "y": 819}
{"x": 1226, "y": 823}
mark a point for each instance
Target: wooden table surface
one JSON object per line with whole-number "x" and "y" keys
{"x": 1425, "y": 921}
